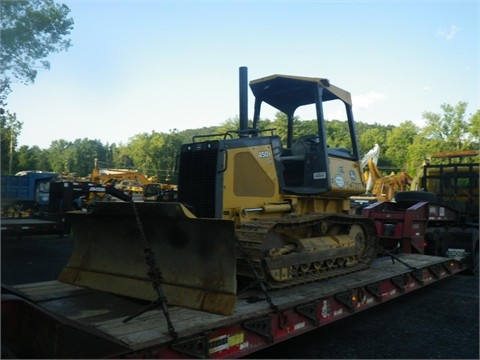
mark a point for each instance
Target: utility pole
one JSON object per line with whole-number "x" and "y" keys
{"x": 15, "y": 127}
{"x": 10, "y": 158}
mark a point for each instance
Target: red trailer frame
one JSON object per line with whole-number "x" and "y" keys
{"x": 403, "y": 226}
{"x": 56, "y": 320}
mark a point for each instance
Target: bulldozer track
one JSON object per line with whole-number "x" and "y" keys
{"x": 252, "y": 252}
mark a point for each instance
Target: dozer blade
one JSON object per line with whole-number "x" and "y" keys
{"x": 195, "y": 256}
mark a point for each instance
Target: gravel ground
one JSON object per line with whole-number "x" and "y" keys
{"x": 440, "y": 321}
{"x": 33, "y": 258}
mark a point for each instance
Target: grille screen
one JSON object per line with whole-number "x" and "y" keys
{"x": 196, "y": 184}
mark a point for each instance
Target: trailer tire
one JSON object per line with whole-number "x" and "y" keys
{"x": 434, "y": 242}
{"x": 415, "y": 196}
{"x": 471, "y": 246}
{"x": 7, "y": 353}
{"x": 475, "y": 264}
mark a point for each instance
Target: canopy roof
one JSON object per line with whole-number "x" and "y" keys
{"x": 286, "y": 93}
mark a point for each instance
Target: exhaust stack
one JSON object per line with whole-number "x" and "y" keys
{"x": 243, "y": 79}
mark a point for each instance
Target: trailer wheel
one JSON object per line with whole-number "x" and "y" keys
{"x": 433, "y": 241}
{"x": 415, "y": 196}
{"x": 474, "y": 268}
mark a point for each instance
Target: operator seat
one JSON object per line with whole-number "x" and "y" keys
{"x": 306, "y": 144}
{"x": 294, "y": 160}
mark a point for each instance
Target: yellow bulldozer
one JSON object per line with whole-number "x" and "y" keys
{"x": 250, "y": 208}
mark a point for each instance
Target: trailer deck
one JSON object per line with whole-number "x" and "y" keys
{"x": 71, "y": 315}
{"x": 31, "y": 226}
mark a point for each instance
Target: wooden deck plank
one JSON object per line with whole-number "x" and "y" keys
{"x": 50, "y": 290}
{"x": 101, "y": 311}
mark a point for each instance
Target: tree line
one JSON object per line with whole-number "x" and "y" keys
{"x": 403, "y": 147}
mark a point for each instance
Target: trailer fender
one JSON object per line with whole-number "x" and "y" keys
{"x": 462, "y": 242}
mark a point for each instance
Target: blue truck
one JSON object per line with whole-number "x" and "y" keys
{"x": 25, "y": 201}
{"x": 26, "y": 189}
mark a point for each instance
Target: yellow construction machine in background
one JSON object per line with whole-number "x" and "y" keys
{"x": 134, "y": 183}
{"x": 378, "y": 187}
{"x": 127, "y": 180}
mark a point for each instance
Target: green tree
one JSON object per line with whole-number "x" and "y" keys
{"x": 371, "y": 136}
{"x": 338, "y": 134}
{"x": 154, "y": 154}
{"x": 187, "y": 135}
{"x": 10, "y": 129}
{"x": 32, "y": 158}
{"x": 448, "y": 131}
{"x": 140, "y": 151}
{"x": 398, "y": 142}
{"x": 81, "y": 156}
{"x": 121, "y": 158}
{"x": 231, "y": 124}
{"x": 420, "y": 150}
{"x": 31, "y": 30}
{"x": 59, "y": 154}
{"x": 450, "y": 127}
{"x": 474, "y": 131}
{"x": 280, "y": 124}
{"x": 171, "y": 148}
{"x": 77, "y": 157}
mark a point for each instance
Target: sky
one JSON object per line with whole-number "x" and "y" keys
{"x": 141, "y": 66}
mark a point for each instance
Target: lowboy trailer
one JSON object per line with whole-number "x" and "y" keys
{"x": 31, "y": 226}
{"x": 58, "y": 320}
{"x": 250, "y": 208}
